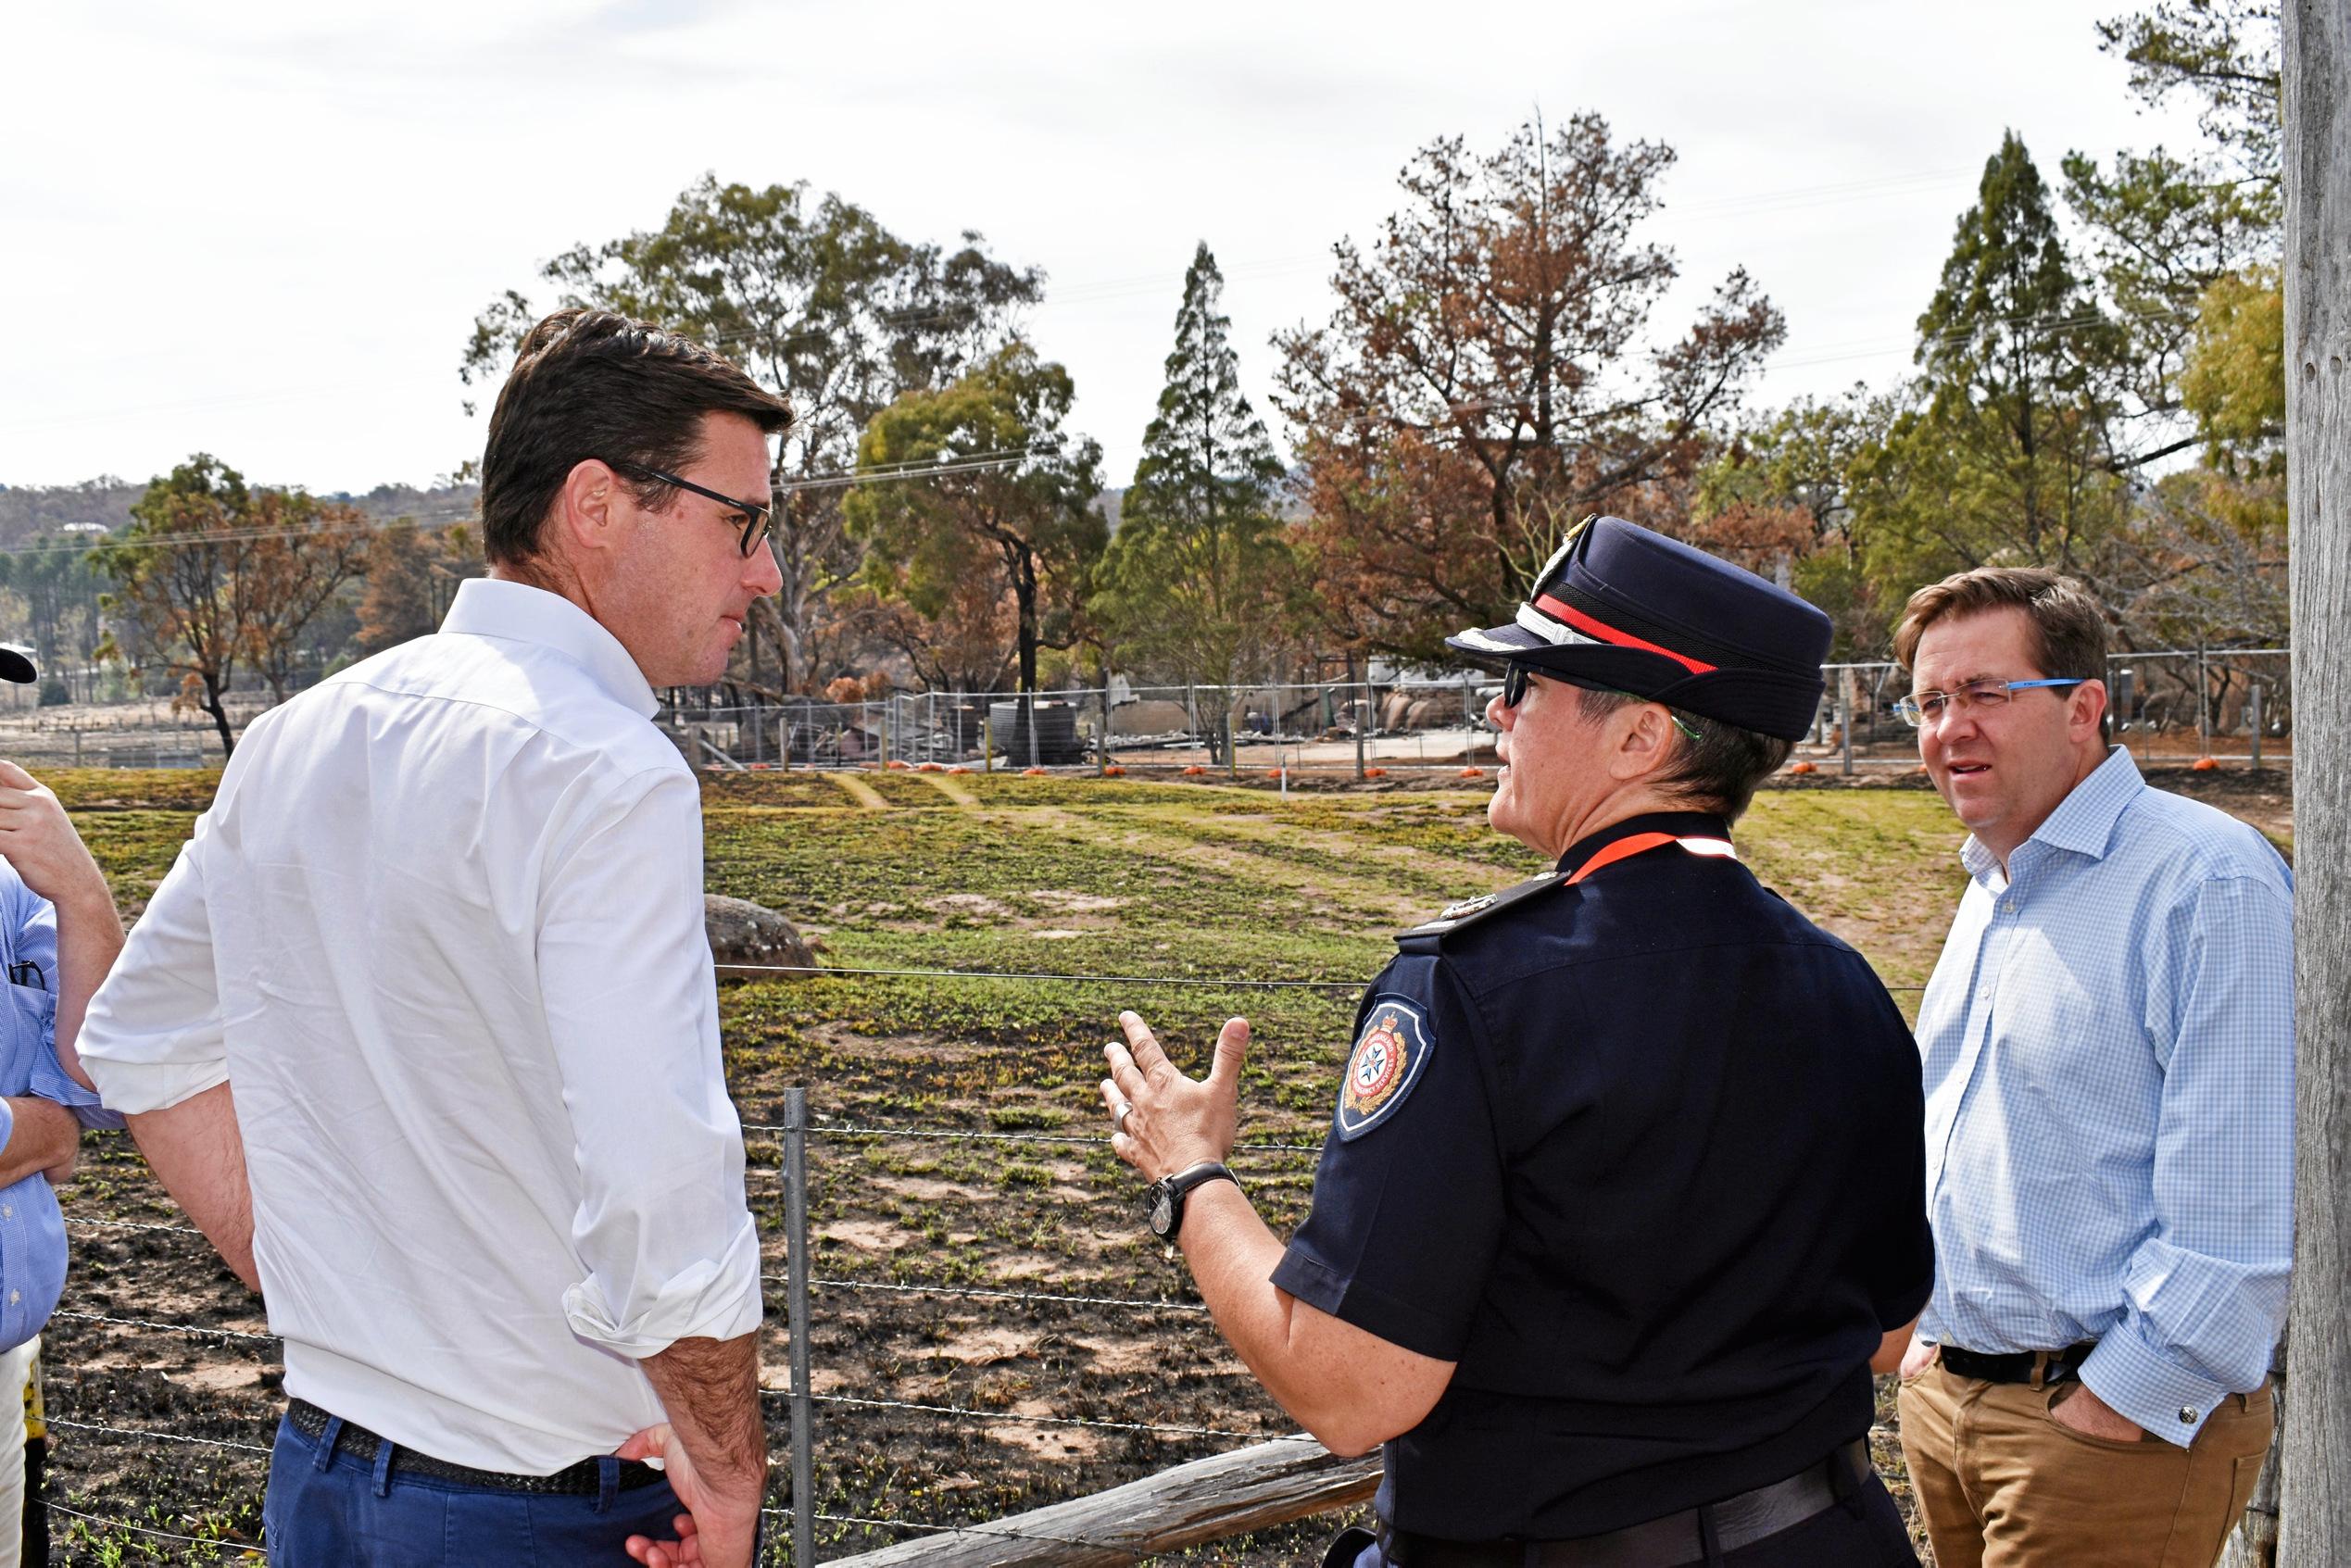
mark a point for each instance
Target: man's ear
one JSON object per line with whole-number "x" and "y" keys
{"x": 583, "y": 506}
{"x": 2088, "y": 705}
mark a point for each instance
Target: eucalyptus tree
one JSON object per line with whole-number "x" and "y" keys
{"x": 821, "y": 302}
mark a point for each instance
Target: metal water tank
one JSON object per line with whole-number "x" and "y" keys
{"x": 1056, "y": 732}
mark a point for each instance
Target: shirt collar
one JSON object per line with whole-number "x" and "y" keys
{"x": 1681, "y": 824}
{"x": 2083, "y": 822}
{"x": 490, "y": 607}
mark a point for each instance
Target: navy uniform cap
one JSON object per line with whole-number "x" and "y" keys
{"x": 1622, "y": 608}
{"x": 16, "y": 663}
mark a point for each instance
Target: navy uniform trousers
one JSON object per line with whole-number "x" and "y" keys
{"x": 1864, "y": 1531}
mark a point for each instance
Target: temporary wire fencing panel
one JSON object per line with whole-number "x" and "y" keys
{"x": 2170, "y": 709}
{"x": 2172, "y": 705}
{"x": 1325, "y": 727}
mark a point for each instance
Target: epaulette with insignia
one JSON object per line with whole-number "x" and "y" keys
{"x": 1471, "y": 910}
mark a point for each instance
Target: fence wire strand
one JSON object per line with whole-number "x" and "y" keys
{"x": 845, "y": 1129}
{"x": 62, "y": 1424}
{"x": 240, "y": 1547}
{"x": 958, "y": 1410}
{"x": 1229, "y": 983}
{"x": 133, "y": 1225}
{"x": 1136, "y": 1304}
{"x": 168, "y": 1327}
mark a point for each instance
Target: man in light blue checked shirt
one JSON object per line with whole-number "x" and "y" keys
{"x": 2108, "y": 1053}
{"x": 59, "y": 935}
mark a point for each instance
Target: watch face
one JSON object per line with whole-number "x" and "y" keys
{"x": 1163, "y": 1209}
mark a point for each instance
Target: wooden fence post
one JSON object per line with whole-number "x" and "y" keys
{"x": 1205, "y": 1500}
{"x": 2315, "y": 1522}
{"x": 1362, "y": 724}
{"x": 803, "y": 1460}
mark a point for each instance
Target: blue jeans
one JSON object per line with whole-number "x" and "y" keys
{"x": 330, "y": 1510}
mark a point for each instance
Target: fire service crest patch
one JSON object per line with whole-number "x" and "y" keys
{"x": 1385, "y": 1064}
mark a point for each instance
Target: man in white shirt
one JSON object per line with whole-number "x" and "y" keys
{"x": 440, "y": 936}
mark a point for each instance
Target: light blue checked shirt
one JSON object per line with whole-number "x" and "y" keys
{"x": 33, "y": 1238}
{"x": 2108, "y": 1044}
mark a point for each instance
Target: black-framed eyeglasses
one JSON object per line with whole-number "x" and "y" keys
{"x": 756, "y": 519}
{"x": 1920, "y": 709}
{"x": 1516, "y": 676}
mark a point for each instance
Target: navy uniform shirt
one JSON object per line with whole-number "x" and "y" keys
{"x": 1641, "y": 1155}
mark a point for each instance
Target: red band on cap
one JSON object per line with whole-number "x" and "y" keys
{"x": 1590, "y": 627}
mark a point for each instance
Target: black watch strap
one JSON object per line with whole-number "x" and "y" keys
{"x": 1169, "y": 1192}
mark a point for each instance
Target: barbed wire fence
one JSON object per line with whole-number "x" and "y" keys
{"x": 792, "y": 1536}
{"x": 797, "y": 1519}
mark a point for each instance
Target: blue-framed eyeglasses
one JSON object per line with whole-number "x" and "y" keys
{"x": 755, "y": 515}
{"x": 1921, "y": 708}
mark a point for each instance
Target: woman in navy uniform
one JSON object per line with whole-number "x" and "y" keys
{"x": 1623, "y": 1198}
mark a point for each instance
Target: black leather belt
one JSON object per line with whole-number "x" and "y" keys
{"x": 2036, "y": 1367}
{"x": 1670, "y": 1542}
{"x": 582, "y": 1480}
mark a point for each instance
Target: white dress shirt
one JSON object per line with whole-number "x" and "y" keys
{"x": 442, "y": 931}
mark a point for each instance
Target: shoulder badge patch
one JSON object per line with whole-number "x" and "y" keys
{"x": 1385, "y": 1064}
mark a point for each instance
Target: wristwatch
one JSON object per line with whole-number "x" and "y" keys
{"x": 1167, "y": 1195}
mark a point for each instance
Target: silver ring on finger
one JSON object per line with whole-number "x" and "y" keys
{"x": 1118, "y": 1117}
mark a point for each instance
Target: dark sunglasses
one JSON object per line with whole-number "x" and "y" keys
{"x": 755, "y": 518}
{"x": 1514, "y": 692}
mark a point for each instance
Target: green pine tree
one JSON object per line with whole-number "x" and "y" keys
{"x": 1193, "y": 583}
{"x": 2009, "y": 458}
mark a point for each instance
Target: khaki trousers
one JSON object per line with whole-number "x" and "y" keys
{"x": 2003, "y": 1486}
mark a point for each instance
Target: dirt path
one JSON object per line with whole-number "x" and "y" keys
{"x": 953, "y": 791}
{"x": 856, "y": 789}
{"x": 1469, "y": 877}
{"x": 1365, "y": 894}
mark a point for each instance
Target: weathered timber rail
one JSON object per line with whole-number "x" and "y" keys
{"x": 1230, "y": 1493}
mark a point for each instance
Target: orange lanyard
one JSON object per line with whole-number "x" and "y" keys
{"x": 1641, "y": 843}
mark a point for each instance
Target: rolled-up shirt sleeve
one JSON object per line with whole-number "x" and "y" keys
{"x": 153, "y": 1036}
{"x": 665, "y": 1242}
{"x": 2205, "y": 1296}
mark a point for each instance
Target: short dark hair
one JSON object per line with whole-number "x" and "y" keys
{"x": 1719, "y": 770}
{"x": 590, "y": 383}
{"x": 2068, "y": 629}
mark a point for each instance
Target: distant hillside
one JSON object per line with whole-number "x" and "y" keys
{"x": 45, "y": 508}
{"x": 106, "y": 502}
{"x": 444, "y": 503}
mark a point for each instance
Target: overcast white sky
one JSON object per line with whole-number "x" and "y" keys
{"x": 263, "y": 229}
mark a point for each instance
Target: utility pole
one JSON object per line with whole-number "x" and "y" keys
{"x": 2315, "y": 1519}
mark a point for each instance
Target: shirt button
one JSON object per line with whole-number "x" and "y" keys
{"x": 2187, "y": 1416}
{"x": 7, "y": 1210}
{"x": 15, "y": 1296}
